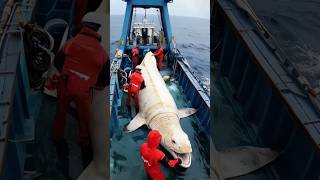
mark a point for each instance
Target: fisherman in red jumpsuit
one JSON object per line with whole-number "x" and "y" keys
{"x": 151, "y": 156}
{"x": 84, "y": 65}
{"x": 159, "y": 54}
{"x": 135, "y": 56}
{"x": 136, "y": 83}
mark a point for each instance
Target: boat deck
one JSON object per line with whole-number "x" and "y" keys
{"x": 45, "y": 160}
{"x": 125, "y": 160}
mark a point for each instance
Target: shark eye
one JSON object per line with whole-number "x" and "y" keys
{"x": 173, "y": 141}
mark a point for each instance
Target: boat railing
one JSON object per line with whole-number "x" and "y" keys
{"x": 181, "y": 58}
{"x": 17, "y": 123}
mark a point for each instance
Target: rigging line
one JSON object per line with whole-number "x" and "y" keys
{"x": 160, "y": 26}
{"x": 153, "y": 16}
{"x": 133, "y": 22}
{"x": 159, "y": 19}
{"x": 145, "y": 13}
{"x": 135, "y": 15}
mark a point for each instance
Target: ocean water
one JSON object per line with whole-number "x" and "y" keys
{"x": 296, "y": 26}
{"x": 192, "y": 36}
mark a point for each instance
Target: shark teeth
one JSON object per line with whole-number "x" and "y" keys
{"x": 185, "y": 158}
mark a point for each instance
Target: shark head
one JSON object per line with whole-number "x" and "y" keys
{"x": 176, "y": 141}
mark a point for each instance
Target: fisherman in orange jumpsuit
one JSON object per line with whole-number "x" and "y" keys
{"x": 136, "y": 83}
{"x": 159, "y": 55}
{"x": 135, "y": 56}
{"x": 84, "y": 65}
{"x": 151, "y": 156}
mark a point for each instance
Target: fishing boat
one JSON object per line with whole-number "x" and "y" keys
{"x": 184, "y": 85}
{"x": 267, "y": 90}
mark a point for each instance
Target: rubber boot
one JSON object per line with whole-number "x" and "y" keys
{"x": 63, "y": 156}
{"x": 137, "y": 110}
{"x": 86, "y": 155}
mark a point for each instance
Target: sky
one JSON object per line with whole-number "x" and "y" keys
{"x": 191, "y": 8}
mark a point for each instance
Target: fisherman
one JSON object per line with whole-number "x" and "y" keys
{"x": 136, "y": 83}
{"x": 83, "y": 64}
{"x": 135, "y": 56}
{"x": 151, "y": 156}
{"x": 159, "y": 55}
{"x": 145, "y": 36}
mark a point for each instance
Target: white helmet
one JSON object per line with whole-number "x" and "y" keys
{"x": 139, "y": 67}
{"x": 91, "y": 18}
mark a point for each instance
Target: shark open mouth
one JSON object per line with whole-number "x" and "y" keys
{"x": 185, "y": 158}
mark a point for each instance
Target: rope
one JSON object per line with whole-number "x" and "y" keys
{"x": 159, "y": 19}
{"x": 134, "y": 20}
{"x": 160, "y": 26}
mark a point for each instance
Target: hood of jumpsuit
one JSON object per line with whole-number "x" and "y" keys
{"x": 154, "y": 139}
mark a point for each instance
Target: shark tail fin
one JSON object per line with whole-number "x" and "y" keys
{"x": 237, "y": 161}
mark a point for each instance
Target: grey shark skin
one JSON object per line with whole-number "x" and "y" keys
{"x": 238, "y": 161}
{"x": 159, "y": 112}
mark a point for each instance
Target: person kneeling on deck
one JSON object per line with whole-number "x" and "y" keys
{"x": 159, "y": 55}
{"x": 83, "y": 64}
{"x": 135, "y": 56}
{"x": 136, "y": 83}
{"x": 151, "y": 156}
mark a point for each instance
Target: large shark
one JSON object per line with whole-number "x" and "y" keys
{"x": 159, "y": 112}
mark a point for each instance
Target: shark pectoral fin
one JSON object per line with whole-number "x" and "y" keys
{"x": 135, "y": 123}
{"x": 185, "y": 112}
{"x": 242, "y": 160}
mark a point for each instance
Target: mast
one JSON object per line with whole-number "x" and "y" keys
{"x": 165, "y": 20}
